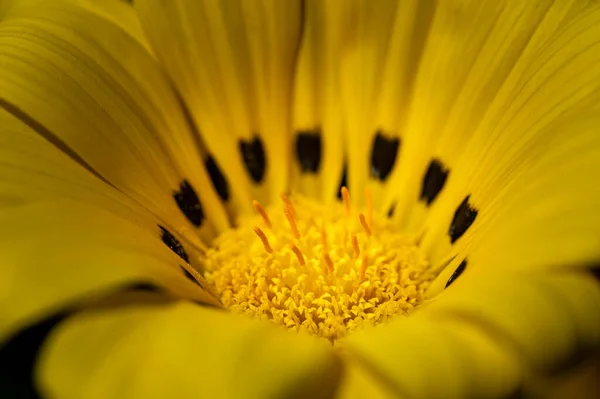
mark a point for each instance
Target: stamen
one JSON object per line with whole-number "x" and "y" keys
{"x": 355, "y": 247}
{"x": 259, "y": 208}
{"x": 346, "y": 200}
{"x": 340, "y": 282}
{"x": 363, "y": 267}
{"x": 364, "y": 224}
{"x": 289, "y": 214}
{"x": 323, "y": 237}
{"x": 369, "y": 198}
{"x": 298, "y": 254}
{"x": 288, "y": 203}
{"x": 328, "y": 261}
{"x": 264, "y": 239}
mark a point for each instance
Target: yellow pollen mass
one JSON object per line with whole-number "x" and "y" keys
{"x": 323, "y": 270}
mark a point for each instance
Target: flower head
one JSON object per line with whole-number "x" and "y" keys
{"x": 255, "y": 199}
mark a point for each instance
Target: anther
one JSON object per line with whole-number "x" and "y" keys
{"x": 288, "y": 203}
{"x": 264, "y": 239}
{"x": 355, "y": 247}
{"x": 369, "y": 198}
{"x": 259, "y": 208}
{"x": 363, "y": 266}
{"x": 328, "y": 261}
{"x": 346, "y": 199}
{"x": 289, "y": 214}
{"x": 364, "y": 224}
{"x": 298, "y": 254}
{"x": 323, "y": 236}
{"x": 414, "y": 276}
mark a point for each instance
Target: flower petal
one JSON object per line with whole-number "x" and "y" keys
{"x": 546, "y": 319}
{"x": 471, "y": 49}
{"x": 359, "y": 382}
{"x": 548, "y": 215}
{"x": 316, "y": 115}
{"x": 372, "y": 35}
{"x": 182, "y": 351}
{"x": 33, "y": 170}
{"x": 67, "y": 235}
{"x": 78, "y": 251}
{"x": 486, "y": 336}
{"x": 136, "y": 136}
{"x": 422, "y": 358}
{"x": 118, "y": 13}
{"x": 233, "y": 65}
{"x": 526, "y": 152}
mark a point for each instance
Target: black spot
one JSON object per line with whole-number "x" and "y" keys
{"x": 383, "y": 155}
{"x": 308, "y": 150}
{"x": 18, "y": 356}
{"x": 459, "y": 270}
{"x": 595, "y": 271}
{"x": 190, "y": 276}
{"x": 146, "y": 287}
{"x": 253, "y": 154}
{"x": 173, "y": 244}
{"x": 189, "y": 203}
{"x": 343, "y": 181}
{"x": 217, "y": 178}
{"x": 463, "y": 219}
{"x": 434, "y": 181}
{"x": 391, "y": 211}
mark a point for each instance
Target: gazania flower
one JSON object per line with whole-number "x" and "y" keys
{"x": 272, "y": 199}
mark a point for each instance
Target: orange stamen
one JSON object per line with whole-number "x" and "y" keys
{"x": 264, "y": 239}
{"x": 355, "y": 247}
{"x": 346, "y": 199}
{"x": 259, "y": 208}
{"x": 298, "y": 254}
{"x": 288, "y": 203}
{"x": 328, "y": 261}
{"x": 323, "y": 236}
{"x": 364, "y": 224}
{"x": 369, "y": 197}
{"x": 363, "y": 266}
{"x": 289, "y": 214}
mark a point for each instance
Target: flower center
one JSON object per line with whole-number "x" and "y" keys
{"x": 323, "y": 270}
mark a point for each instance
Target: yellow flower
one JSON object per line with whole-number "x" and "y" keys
{"x": 163, "y": 163}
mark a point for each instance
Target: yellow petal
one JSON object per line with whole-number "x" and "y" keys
{"x": 33, "y": 170}
{"x": 233, "y": 63}
{"x": 518, "y": 138}
{"x": 424, "y": 358}
{"x": 546, "y": 319}
{"x": 63, "y": 72}
{"x": 119, "y": 13}
{"x": 369, "y": 37}
{"x": 316, "y": 105}
{"x": 61, "y": 251}
{"x": 360, "y": 381}
{"x": 471, "y": 48}
{"x": 547, "y": 216}
{"x": 181, "y": 351}
{"x": 67, "y": 235}
{"x": 42, "y": 192}
{"x": 354, "y": 70}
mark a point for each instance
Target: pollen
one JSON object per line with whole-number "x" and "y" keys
{"x": 326, "y": 270}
